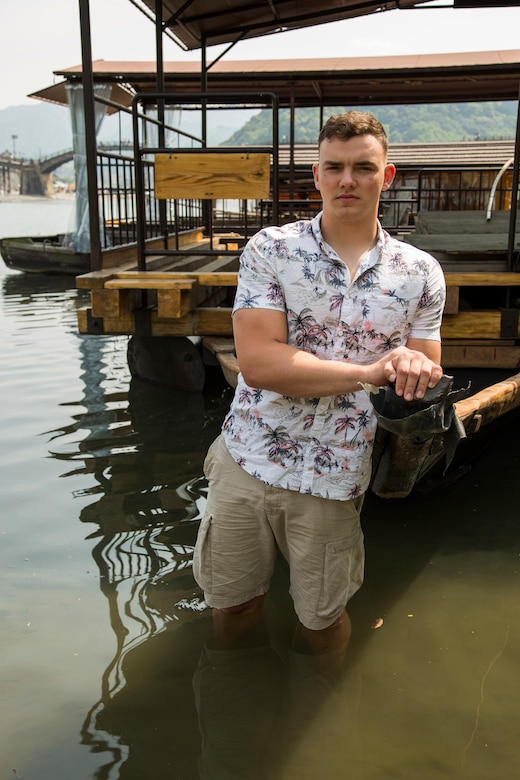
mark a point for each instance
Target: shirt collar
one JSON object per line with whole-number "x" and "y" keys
{"x": 371, "y": 258}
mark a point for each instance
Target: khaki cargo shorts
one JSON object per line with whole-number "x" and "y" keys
{"x": 246, "y": 520}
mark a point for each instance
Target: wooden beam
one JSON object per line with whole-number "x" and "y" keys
{"x": 206, "y": 279}
{"x": 150, "y": 281}
{"x": 482, "y": 279}
{"x": 480, "y": 356}
{"x": 173, "y": 304}
{"x": 203, "y": 321}
{"x": 112, "y": 303}
{"x": 452, "y": 300}
{"x": 471, "y": 325}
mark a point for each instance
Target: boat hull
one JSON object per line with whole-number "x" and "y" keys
{"x": 43, "y": 254}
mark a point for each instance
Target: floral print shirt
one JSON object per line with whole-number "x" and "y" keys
{"x": 323, "y": 446}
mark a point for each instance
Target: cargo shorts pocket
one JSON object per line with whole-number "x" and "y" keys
{"x": 343, "y": 571}
{"x": 202, "y": 565}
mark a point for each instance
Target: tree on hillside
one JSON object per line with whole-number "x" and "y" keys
{"x": 430, "y": 123}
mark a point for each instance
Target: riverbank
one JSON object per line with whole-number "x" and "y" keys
{"x": 14, "y": 197}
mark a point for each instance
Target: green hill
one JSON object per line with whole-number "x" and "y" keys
{"x": 435, "y": 122}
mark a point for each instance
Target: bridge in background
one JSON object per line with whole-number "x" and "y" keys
{"x": 19, "y": 175}
{"x": 53, "y": 161}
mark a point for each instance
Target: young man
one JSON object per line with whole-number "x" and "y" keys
{"x": 321, "y": 307}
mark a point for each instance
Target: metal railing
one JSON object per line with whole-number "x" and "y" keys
{"x": 442, "y": 189}
{"x": 118, "y": 203}
{"x": 206, "y": 210}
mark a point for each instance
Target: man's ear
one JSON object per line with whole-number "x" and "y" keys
{"x": 315, "y": 175}
{"x": 389, "y": 176}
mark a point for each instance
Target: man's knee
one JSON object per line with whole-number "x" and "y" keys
{"x": 248, "y": 607}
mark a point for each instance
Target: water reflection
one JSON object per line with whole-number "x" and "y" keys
{"x": 268, "y": 714}
{"x": 137, "y": 452}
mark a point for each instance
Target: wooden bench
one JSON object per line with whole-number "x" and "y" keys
{"x": 117, "y": 296}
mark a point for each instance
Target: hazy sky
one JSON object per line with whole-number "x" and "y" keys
{"x": 40, "y": 36}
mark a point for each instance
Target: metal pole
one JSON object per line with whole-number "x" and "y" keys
{"x": 276, "y": 158}
{"x": 292, "y": 140}
{"x": 207, "y": 205}
{"x": 139, "y": 189}
{"x": 90, "y": 135}
{"x": 514, "y": 192}
{"x": 161, "y": 135}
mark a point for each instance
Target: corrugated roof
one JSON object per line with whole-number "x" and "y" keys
{"x": 462, "y": 154}
{"x": 456, "y": 77}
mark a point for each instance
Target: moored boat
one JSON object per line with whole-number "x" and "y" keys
{"x": 43, "y": 254}
{"x": 406, "y": 463}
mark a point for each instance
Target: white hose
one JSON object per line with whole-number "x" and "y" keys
{"x": 495, "y": 185}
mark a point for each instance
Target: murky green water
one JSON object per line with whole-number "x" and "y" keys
{"x": 102, "y": 626}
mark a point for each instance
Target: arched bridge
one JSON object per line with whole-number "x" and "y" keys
{"x": 33, "y": 177}
{"x": 57, "y": 159}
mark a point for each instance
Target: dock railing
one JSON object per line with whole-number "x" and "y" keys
{"x": 168, "y": 177}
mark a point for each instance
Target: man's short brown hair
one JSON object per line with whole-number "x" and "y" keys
{"x": 353, "y": 123}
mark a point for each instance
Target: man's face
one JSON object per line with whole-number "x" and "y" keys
{"x": 350, "y": 176}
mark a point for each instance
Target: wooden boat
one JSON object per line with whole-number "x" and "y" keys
{"x": 43, "y": 254}
{"x": 402, "y": 465}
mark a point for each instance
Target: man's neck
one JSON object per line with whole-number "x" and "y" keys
{"x": 350, "y": 241}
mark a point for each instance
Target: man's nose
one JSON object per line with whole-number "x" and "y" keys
{"x": 347, "y": 177}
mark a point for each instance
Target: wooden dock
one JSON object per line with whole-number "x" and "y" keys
{"x": 196, "y": 301}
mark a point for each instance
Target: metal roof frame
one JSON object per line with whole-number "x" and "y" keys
{"x": 195, "y": 24}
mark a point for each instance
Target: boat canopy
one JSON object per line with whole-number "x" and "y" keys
{"x": 198, "y": 23}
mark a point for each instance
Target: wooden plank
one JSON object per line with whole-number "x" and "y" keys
{"x": 117, "y": 256}
{"x": 212, "y": 175}
{"x": 465, "y": 222}
{"x": 207, "y": 279}
{"x": 120, "y": 325}
{"x": 211, "y": 321}
{"x": 477, "y": 356}
{"x": 94, "y": 280}
{"x": 150, "y": 282}
{"x": 482, "y": 279}
{"x": 461, "y": 244}
{"x": 203, "y": 321}
{"x": 83, "y": 318}
{"x": 173, "y": 304}
{"x": 112, "y": 303}
{"x": 471, "y": 325}
{"x": 452, "y": 300}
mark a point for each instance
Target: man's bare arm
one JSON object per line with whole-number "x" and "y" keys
{"x": 267, "y": 361}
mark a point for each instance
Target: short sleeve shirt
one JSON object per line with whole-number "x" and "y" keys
{"x": 323, "y": 446}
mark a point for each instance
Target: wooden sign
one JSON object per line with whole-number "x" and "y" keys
{"x": 212, "y": 175}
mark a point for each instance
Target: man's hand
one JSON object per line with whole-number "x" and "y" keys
{"x": 411, "y": 370}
